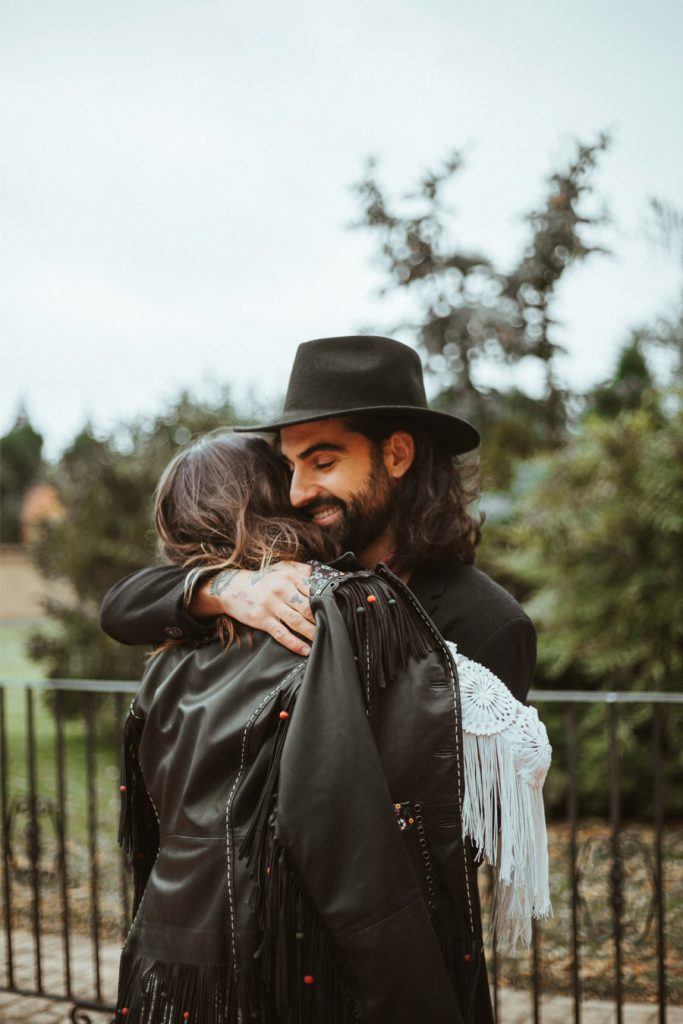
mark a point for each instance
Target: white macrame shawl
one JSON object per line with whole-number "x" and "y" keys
{"x": 507, "y": 756}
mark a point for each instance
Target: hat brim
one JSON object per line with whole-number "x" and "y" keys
{"x": 454, "y": 434}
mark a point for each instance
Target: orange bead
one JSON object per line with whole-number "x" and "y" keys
{"x": 186, "y": 1015}
{"x": 308, "y": 979}
{"x": 124, "y": 1011}
{"x": 122, "y": 788}
{"x": 468, "y": 957}
{"x": 371, "y": 598}
{"x": 284, "y": 714}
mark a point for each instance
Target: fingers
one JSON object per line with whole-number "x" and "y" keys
{"x": 279, "y": 632}
{"x": 300, "y": 601}
{"x": 294, "y": 619}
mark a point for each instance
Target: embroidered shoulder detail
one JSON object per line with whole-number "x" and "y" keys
{"x": 321, "y": 576}
{"x": 487, "y": 704}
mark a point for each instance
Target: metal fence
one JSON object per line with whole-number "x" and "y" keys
{"x": 66, "y": 890}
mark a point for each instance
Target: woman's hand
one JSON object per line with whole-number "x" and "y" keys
{"x": 275, "y": 600}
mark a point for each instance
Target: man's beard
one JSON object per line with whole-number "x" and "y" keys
{"x": 365, "y": 516}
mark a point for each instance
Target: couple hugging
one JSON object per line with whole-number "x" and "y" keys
{"x": 330, "y": 733}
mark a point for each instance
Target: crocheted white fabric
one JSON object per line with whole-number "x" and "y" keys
{"x": 507, "y": 757}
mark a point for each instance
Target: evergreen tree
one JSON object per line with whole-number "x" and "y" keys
{"x": 596, "y": 544}
{"x": 627, "y": 386}
{"x": 106, "y": 486}
{"x": 21, "y": 465}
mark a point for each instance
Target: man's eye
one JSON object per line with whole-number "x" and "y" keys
{"x": 324, "y": 465}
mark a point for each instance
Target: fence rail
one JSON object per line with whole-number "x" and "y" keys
{"x": 60, "y": 864}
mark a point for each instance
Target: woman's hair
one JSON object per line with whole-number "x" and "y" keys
{"x": 435, "y": 514}
{"x": 223, "y": 503}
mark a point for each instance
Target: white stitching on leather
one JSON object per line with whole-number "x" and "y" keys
{"x": 228, "y": 806}
{"x": 452, "y": 673}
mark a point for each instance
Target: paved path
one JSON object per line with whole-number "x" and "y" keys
{"x": 16, "y": 1009}
{"x": 514, "y": 1006}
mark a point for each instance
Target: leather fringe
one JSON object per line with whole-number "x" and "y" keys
{"x": 138, "y": 824}
{"x": 384, "y": 628}
{"x": 253, "y": 846}
{"x": 463, "y": 959}
{"x": 301, "y": 972}
{"x": 294, "y": 946}
{"x": 156, "y": 992}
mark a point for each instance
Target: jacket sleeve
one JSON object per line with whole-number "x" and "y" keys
{"x": 510, "y": 653}
{"x": 147, "y": 608}
{"x": 354, "y": 863}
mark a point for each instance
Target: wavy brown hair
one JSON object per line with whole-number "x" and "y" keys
{"x": 223, "y": 503}
{"x": 435, "y": 517}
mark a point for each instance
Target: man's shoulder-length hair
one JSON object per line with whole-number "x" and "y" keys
{"x": 436, "y": 517}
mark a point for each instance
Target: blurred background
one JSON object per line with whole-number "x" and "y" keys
{"x": 190, "y": 190}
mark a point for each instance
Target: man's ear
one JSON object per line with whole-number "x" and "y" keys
{"x": 398, "y": 453}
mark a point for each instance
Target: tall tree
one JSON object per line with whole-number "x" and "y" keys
{"x": 470, "y": 312}
{"x": 21, "y": 464}
{"x": 106, "y": 487}
{"x": 598, "y": 539}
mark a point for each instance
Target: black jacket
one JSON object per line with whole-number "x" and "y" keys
{"x": 468, "y": 608}
{"x": 294, "y": 826}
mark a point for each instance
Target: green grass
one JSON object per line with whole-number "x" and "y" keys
{"x": 15, "y": 664}
{"x": 14, "y": 661}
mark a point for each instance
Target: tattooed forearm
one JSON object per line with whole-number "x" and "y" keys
{"x": 256, "y": 577}
{"x": 221, "y": 581}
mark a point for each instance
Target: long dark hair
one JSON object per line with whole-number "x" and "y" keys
{"x": 435, "y": 515}
{"x": 223, "y": 503}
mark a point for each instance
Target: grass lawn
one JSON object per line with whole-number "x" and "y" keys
{"x": 14, "y": 664}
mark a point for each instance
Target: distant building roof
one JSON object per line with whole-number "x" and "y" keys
{"x": 41, "y": 503}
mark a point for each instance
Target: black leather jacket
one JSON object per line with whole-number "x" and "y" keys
{"x": 294, "y": 826}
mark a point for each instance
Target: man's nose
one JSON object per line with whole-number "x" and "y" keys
{"x": 301, "y": 489}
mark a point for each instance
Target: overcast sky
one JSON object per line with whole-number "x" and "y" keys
{"x": 176, "y": 176}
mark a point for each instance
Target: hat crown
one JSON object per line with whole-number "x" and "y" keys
{"x": 364, "y": 373}
{"x": 354, "y": 371}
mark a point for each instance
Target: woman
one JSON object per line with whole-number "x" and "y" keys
{"x": 295, "y": 826}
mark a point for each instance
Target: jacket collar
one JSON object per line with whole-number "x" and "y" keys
{"x": 428, "y": 583}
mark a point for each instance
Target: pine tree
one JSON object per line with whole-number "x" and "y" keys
{"x": 106, "y": 485}
{"x": 21, "y": 465}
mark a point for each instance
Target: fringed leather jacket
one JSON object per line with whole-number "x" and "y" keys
{"x": 294, "y": 826}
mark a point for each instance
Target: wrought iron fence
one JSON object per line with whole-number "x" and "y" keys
{"x": 66, "y": 891}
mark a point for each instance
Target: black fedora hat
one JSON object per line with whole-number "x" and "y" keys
{"x": 364, "y": 374}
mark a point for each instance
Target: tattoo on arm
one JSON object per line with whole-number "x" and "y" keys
{"x": 221, "y": 581}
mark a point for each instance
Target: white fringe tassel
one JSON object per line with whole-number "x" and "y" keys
{"x": 503, "y": 811}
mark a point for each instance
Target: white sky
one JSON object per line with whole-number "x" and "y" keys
{"x": 176, "y": 176}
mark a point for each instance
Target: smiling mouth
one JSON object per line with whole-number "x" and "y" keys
{"x": 325, "y": 516}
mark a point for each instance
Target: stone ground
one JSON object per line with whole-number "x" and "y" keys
{"x": 514, "y": 1006}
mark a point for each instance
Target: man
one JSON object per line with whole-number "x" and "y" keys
{"x": 372, "y": 464}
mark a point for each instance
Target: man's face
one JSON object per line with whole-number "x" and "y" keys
{"x": 339, "y": 480}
